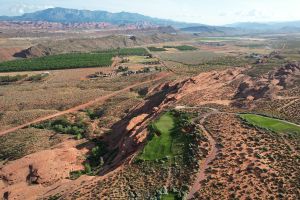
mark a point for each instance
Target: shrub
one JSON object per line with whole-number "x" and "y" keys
{"x": 156, "y": 49}
{"x": 10, "y": 79}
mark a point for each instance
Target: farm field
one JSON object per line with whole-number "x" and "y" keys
{"x": 68, "y": 61}
{"x": 142, "y": 59}
{"x": 190, "y": 58}
{"x": 181, "y": 47}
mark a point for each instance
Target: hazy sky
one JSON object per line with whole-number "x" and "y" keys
{"x": 215, "y": 12}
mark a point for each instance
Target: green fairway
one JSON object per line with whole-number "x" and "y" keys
{"x": 167, "y": 142}
{"x": 272, "y": 124}
{"x": 168, "y": 197}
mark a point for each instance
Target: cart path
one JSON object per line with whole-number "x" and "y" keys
{"x": 82, "y": 106}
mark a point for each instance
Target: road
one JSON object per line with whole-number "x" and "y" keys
{"x": 82, "y": 106}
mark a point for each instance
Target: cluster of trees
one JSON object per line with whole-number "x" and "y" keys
{"x": 192, "y": 151}
{"x": 173, "y": 193}
{"x": 122, "y": 69}
{"x": 156, "y": 49}
{"x": 94, "y": 161}
{"x": 64, "y": 126}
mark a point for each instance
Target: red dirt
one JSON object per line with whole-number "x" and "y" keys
{"x": 210, "y": 157}
{"x": 82, "y": 106}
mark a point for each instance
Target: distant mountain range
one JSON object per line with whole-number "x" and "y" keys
{"x": 213, "y": 30}
{"x": 64, "y": 15}
{"x": 265, "y": 26}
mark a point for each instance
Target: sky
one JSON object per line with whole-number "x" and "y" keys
{"x": 213, "y": 12}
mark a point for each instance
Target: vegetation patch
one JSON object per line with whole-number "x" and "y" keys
{"x": 156, "y": 49}
{"x": 181, "y": 48}
{"x": 37, "y": 77}
{"x": 11, "y": 79}
{"x": 165, "y": 141}
{"x": 139, "y": 51}
{"x": 172, "y": 135}
{"x": 64, "y": 126}
{"x": 275, "y": 125}
{"x": 98, "y": 156}
{"x": 168, "y": 197}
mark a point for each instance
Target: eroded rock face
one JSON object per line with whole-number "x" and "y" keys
{"x": 136, "y": 121}
{"x": 287, "y": 74}
{"x": 257, "y": 88}
{"x": 34, "y": 51}
{"x": 254, "y": 91}
{"x": 33, "y": 175}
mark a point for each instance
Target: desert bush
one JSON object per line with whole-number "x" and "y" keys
{"x": 37, "y": 77}
{"x": 95, "y": 114}
{"x": 10, "y": 79}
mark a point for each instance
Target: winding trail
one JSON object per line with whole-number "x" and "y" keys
{"x": 204, "y": 165}
{"x": 82, "y": 106}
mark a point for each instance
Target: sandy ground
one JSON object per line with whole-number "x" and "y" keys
{"x": 53, "y": 167}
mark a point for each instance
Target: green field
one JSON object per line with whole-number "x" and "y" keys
{"x": 167, "y": 140}
{"x": 156, "y": 49}
{"x": 168, "y": 197}
{"x": 181, "y": 48}
{"x": 272, "y": 124}
{"x": 69, "y": 61}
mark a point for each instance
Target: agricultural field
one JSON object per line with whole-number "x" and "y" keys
{"x": 68, "y": 61}
{"x": 190, "y": 58}
{"x": 142, "y": 60}
{"x": 58, "y": 62}
{"x": 181, "y": 47}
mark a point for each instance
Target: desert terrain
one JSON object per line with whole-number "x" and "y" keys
{"x": 146, "y": 113}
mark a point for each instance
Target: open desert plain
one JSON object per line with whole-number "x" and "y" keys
{"x": 124, "y": 106}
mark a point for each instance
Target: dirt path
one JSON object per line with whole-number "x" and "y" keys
{"x": 82, "y": 106}
{"x": 288, "y": 104}
{"x": 209, "y": 158}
